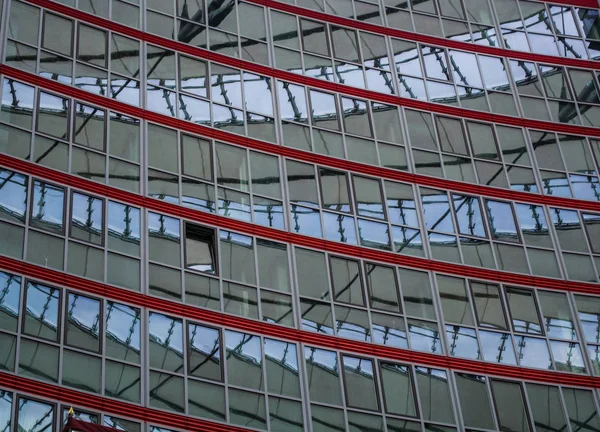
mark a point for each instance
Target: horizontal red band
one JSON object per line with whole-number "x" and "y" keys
{"x": 290, "y": 334}
{"x": 293, "y": 238}
{"x": 54, "y": 393}
{"x": 431, "y": 40}
{"x": 341, "y": 88}
{"x": 582, "y": 3}
{"x": 288, "y": 152}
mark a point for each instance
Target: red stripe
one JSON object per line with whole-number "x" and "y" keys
{"x": 430, "y": 40}
{"x": 290, "y": 334}
{"x": 289, "y": 152}
{"x": 296, "y": 239}
{"x": 55, "y": 393}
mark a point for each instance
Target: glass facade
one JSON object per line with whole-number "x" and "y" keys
{"x": 288, "y": 215}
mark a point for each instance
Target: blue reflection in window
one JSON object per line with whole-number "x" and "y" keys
{"x": 268, "y": 213}
{"x": 462, "y": 342}
{"x": 163, "y": 226}
{"x": 124, "y": 222}
{"x": 13, "y": 195}
{"x": 339, "y": 228}
{"x": 533, "y": 352}
{"x": 532, "y": 219}
{"x": 352, "y": 324}
{"x": 407, "y": 240}
{"x": 5, "y": 410}
{"x": 42, "y": 311}
{"x": 35, "y": 416}
{"x": 305, "y": 221}
{"x": 567, "y": 356}
{"x": 123, "y": 327}
{"x": 194, "y": 110}
{"x": 48, "y": 206}
{"x": 83, "y": 314}
{"x": 557, "y": 186}
{"x": 391, "y": 336}
{"x": 166, "y": 332}
{"x": 234, "y": 204}
{"x": 87, "y": 216}
{"x": 585, "y": 187}
{"x": 424, "y": 336}
{"x": 502, "y": 221}
{"x": 10, "y": 289}
{"x": 468, "y": 215}
{"x": 497, "y": 347}
{"x": 436, "y": 209}
{"x": 374, "y": 234}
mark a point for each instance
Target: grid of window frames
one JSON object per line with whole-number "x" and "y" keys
{"x": 256, "y": 382}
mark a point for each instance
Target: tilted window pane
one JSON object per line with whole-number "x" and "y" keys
{"x": 334, "y": 185}
{"x": 557, "y": 315}
{"x": 368, "y": 198}
{"x": 166, "y": 343}
{"x": 434, "y": 392}
{"x": 523, "y": 311}
{"x": 474, "y": 401}
{"x": 312, "y": 273}
{"x": 301, "y": 183}
{"x": 360, "y": 383}
{"x": 546, "y": 407}
{"x": 83, "y": 322}
{"x": 398, "y": 389}
{"x": 347, "y": 281}
{"x": 323, "y": 376}
{"x": 383, "y": 287}
{"x": 204, "y": 346}
{"x": 200, "y": 251}
{"x": 237, "y": 257}
{"x": 581, "y": 408}
{"x": 416, "y": 290}
{"x": 468, "y": 215}
{"x": 455, "y": 301}
{"x": 436, "y": 208}
{"x": 512, "y": 414}
{"x": 488, "y": 305}
{"x": 41, "y": 311}
{"x": 502, "y": 221}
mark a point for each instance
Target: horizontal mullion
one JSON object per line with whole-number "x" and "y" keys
{"x": 56, "y": 393}
{"x": 432, "y": 40}
{"x": 359, "y": 252}
{"x": 291, "y": 334}
{"x": 288, "y": 152}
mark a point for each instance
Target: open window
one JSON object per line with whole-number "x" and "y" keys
{"x": 200, "y": 251}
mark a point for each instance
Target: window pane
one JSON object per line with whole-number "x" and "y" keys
{"x": 398, "y": 389}
{"x": 244, "y": 360}
{"x": 488, "y": 305}
{"x": 166, "y": 339}
{"x": 237, "y": 257}
{"x": 247, "y": 409}
{"x": 87, "y": 218}
{"x": 200, "y": 251}
{"x": 206, "y": 400}
{"x": 202, "y": 291}
{"x": 312, "y": 273}
{"x": 273, "y": 265}
{"x": 285, "y": 415}
{"x": 6, "y": 400}
{"x": 81, "y": 371}
{"x": 581, "y": 409}
{"x": 123, "y": 228}
{"x": 38, "y": 360}
{"x": 335, "y": 190}
{"x": 435, "y": 395}
{"x": 282, "y": 368}
{"x": 301, "y": 183}
{"x": 322, "y": 371}
{"x": 7, "y": 357}
{"x": 497, "y": 347}
{"x": 13, "y": 194}
{"x": 510, "y": 406}
{"x": 196, "y": 157}
{"x": 232, "y": 166}
{"x": 548, "y": 414}
{"x": 204, "y": 352}
{"x": 166, "y": 392}
{"x": 367, "y": 193}
{"x": 10, "y": 290}
{"x": 455, "y": 301}
{"x": 123, "y": 332}
{"x": 41, "y": 311}
{"x": 360, "y": 383}
{"x": 346, "y": 281}
{"x": 325, "y": 419}
{"x": 523, "y": 311}
{"x": 83, "y": 322}
{"x": 474, "y": 401}
{"x": 240, "y": 300}
{"x": 557, "y": 315}
{"x": 417, "y": 295}
{"x": 589, "y": 316}
{"x": 122, "y": 381}
{"x": 164, "y": 237}
{"x": 383, "y": 287}
{"x": 48, "y": 206}
{"x": 265, "y": 174}
{"x": 35, "y": 416}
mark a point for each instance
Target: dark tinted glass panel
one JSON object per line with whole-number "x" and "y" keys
{"x": 474, "y": 401}
{"x": 323, "y": 375}
{"x": 546, "y": 407}
{"x": 398, "y": 389}
{"x": 360, "y": 383}
{"x": 512, "y": 415}
{"x": 435, "y": 395}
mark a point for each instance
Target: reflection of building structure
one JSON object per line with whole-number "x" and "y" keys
{"x": 323, "y": 215}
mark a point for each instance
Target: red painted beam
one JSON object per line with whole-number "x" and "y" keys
{"x": 290, "y": 334}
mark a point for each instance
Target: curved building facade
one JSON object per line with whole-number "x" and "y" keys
{"x": 288, "y": 215}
